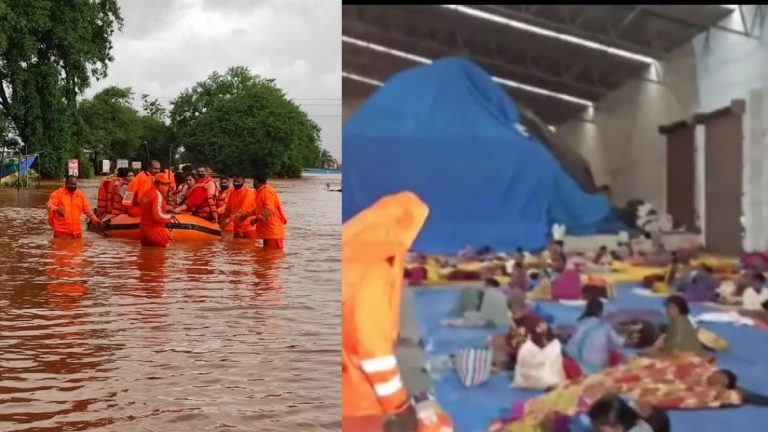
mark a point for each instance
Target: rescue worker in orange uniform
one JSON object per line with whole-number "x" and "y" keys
{"x": 153, "y": 229}
{"x": 65, "y": 206}
{"x": 267, "y": 213}
{"x": 222, "y": 197}
{"x": 138, "y": 187}
{"x": 240, "y": 201}
{"x": 200, "y": 199}
{"x": 374, "y": 247}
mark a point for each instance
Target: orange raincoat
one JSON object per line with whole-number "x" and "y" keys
{"x": 142, "y": 184}
{"x": 240, "y": 200}
{"x": 74, "y": 205}
{"x": 153, "y": 230}
{"x": 271, "y": 230}
{"x": 374, "y": 246}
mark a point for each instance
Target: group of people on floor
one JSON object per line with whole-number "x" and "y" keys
{"x": 155, "y": 196}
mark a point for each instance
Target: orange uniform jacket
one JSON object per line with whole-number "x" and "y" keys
{"x": 136, "y": 190}
{"x": 374, "y": 245}
{"x": 74, "y": 206}
{"x": 274, "y": 226}
{"x": 154, "y": 217}
{"x": 240, "y": 200}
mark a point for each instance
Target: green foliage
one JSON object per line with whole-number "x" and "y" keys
{"x": 237, "y": 122}
{"x": 113, "y": 129}
{"x": 49, "y": 50}
{"x": 109, "y": 124}
{"x": 325, "y": 160}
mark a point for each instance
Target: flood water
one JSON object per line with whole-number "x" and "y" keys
{"x": 102, "y": 335}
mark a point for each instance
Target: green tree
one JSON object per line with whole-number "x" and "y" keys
{"x": 109, "y": 124}
{"x": 49, "y": 51}
{"x": 325, "y": 160}
{"x": 239, "y": 122}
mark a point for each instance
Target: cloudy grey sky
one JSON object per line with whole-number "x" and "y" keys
{"x": 168, "y": 45}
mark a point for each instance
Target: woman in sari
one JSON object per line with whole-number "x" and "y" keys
{"x": 681, "y": 336}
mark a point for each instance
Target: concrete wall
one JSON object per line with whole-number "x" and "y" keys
{"x": 622, "y": 142}
{"x": 732, "y": 66}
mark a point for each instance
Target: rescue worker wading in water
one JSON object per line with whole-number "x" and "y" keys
{"x": 374, "y": 246}
{"x": 65, "y": 206}
{"x": 201, "y": 198}
{"x": 267, "y": 213}
{"x": 240, "y": 201}
{"x": 138, "y": 187}
{"x": 153, "y": 230}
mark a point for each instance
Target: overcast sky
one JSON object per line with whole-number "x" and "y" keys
{"x": 168, "y": 45}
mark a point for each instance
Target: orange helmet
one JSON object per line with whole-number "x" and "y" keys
{"x": 162, "y": 178}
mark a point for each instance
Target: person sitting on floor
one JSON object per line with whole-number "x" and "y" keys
{"x": 602, "y": 257}
{"x": 755, "y": 296}
{"x": 681, "y": 335}
{"x": 526, "y": 325}
{"x": 519, "y": 277}
{"x": 481, "y": 307}
{"x": 699, "y": 285}
{"x": 594, "y": 342}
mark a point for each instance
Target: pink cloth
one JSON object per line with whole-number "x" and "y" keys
{"x": 567, "y": 286}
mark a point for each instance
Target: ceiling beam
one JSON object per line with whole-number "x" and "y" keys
{"x": 687, "y": 22}
{"x": 606, "y": 39}
{"x": 497, "y": 61}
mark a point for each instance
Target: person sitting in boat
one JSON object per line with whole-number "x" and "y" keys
{"x": 153, "y": 229}
{"x": 240, "y": 201}
{"x": 201, "y": 197}
{"x": 65, "y": 206}
{"x": 138, "y": 187}
{"x": 181, "y": 186}
{"x": 183, "y": 190}
{"x": 102, "y": 196}
{"x": 119, "y": 185}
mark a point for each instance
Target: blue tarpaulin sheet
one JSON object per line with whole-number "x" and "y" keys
{"x": 472, "y": 409}
{"x": 450, "y": 134}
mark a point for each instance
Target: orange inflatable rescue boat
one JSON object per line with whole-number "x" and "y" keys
{"x": 185, "y": 227}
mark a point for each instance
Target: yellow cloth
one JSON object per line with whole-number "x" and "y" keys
{"x": 711, "y": 340}
{"x": 660, "y": 288}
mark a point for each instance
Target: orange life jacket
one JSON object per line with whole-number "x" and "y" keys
{"x": 115, "y": 202}
{"x": 102, "y": 198}
{"x": 221, "y": 200}
{"x": 210, "y": 211}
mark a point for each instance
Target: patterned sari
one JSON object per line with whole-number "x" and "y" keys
{"x": 677, "y": 382}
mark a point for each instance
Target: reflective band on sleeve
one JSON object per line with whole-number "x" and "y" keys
{"x": 389, "y": 388}
{"x": 378, "y": 364}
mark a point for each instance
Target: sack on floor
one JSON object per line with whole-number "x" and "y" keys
{"x": 473, "y": 365}
{"x": 539, "y": 368}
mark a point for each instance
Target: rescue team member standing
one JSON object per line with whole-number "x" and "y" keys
{"x": 65, "y": 206}
{"x": 240, "y": 201}
{"x": 201, "y": 198}
{"x": 138, "y": 187}
{"x": 119, "y": 186}
{"x": 153, "y": 230}
{"x": 221, "y": 201}
{"x": 267, "y": 211}
{"x": 374, "y": 246}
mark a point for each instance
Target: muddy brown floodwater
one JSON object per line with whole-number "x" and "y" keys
{"x": 102, "y": 335}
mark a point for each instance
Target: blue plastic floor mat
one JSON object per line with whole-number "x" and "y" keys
{"x": 472, "y": 409}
